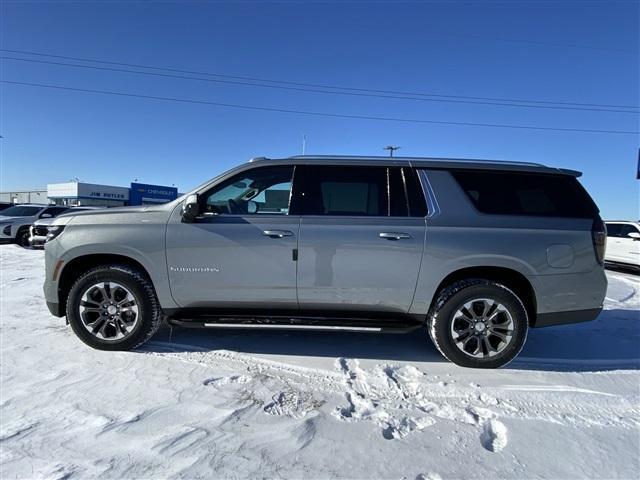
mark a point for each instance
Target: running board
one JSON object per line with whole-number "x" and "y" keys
{"x": 292, "y": 327}
{"x": 309, "y": 324}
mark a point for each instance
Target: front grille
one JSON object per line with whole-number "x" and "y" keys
{"x": 39, "y": 231}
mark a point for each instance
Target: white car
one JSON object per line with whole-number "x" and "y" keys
{"x": 40, "y": 228}
{"x": 16, "y": 220}
{"x": 623, "y": 243}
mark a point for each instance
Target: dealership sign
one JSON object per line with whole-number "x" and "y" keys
{"x": 143, "y": 193}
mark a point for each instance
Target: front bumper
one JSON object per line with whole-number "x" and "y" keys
{"x": 56, "y": 309}
{"x": 37, "y": 241}
{"x": 50, "y": 287}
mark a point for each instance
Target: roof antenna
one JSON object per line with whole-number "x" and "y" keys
{"x": 391, "y": 149}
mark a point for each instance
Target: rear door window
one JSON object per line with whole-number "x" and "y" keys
{"x": 613, "y": 229}
{"x": 357, "y": 191}
{"x": 626, "y": 229}
{"x": 516, "y": 193}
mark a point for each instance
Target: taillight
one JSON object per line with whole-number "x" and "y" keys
{"x": 599, "y": 236}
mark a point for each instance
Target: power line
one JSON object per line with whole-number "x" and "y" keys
{"x": 308, "y": 85}
{"x": 534, "y": 42}
{"x": 234, "y": 82}
{"x": 317, "y": 114}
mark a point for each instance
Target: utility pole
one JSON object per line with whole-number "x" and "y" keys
{"x": 304, "y": 144}
{"x": 391, "y": 149}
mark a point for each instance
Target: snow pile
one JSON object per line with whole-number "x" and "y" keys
{"x": 312, "y": 405}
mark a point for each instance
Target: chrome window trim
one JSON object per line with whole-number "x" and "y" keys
{"x": 433, "y": 209}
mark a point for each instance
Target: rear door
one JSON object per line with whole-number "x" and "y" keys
{"x": 361, "y": 239}
{"x": 613, "y": 250}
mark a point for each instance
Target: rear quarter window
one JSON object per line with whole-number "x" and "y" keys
{"x": 516, "y": 193}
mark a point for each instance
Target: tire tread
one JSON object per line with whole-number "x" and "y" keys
{"x": 448, "y": 292}
{"x": 145, "y": 284}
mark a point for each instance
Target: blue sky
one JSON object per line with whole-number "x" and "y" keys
{"x": 579, "y": 52}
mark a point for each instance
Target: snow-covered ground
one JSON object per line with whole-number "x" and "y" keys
{"x": 211, "y": 404}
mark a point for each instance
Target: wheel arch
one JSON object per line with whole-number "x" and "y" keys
{"x": 81, "y": 264}
{"x": 508, "y": 277}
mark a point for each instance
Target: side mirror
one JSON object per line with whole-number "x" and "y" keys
{"x": 46, "y": 215}
{"x": 190, "y": 208}
{"x": 634, "y": 235}
{"x": 252, "y": 207}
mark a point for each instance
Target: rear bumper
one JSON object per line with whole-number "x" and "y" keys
{"x": 7, "y": 238}
{"x": 563, "y": 318}
{"x": 569, "y": 292}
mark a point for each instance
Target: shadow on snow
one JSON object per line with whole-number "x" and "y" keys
{"x": 611, "y": 342}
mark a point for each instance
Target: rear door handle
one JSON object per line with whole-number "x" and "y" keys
{"x": 277, "y": 233}
{"x": 394, "y": 235}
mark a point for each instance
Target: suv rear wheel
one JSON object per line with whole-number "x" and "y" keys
{"x": 478, "y": 323}
{"x": 113, "y": 307}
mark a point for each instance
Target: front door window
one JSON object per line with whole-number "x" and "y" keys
{"x": 261, "y": 191}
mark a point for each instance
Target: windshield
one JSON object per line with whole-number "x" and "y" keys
{"x": 21, "y": 211}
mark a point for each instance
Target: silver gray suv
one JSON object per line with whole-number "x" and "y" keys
{"x": 475, "y": 252}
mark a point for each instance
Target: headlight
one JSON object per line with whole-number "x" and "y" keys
{"x": 54, "y": 231}
{"x": 7, "y": 230}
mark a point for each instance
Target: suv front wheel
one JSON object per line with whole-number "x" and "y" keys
{"x": 478, "y": 323}
{"x": 22, "y": 237}
{"x": 113, "y": 307}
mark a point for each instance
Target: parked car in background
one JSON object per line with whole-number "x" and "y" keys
{"x": 40, "y": 229}
{"x": 16, "y": 220}
{"x": 472, "y": 252}
{"x": 623, "y": 243}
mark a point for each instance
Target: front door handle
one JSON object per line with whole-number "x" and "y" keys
{"x": 394, "y": 235}
{"x": 277, "y": 233}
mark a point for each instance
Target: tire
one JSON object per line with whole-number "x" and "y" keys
{"x": 119, "y": 279}
{"x": 22, "y": 237}
{"x": 478, "y": 294}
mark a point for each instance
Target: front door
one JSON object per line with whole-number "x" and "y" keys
{"x": 239, "y": 253}
{"x": 362, "y": 234}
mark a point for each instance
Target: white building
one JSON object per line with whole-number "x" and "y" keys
{"x": 24, "y": 196}
{"x": 78, "y": 193}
